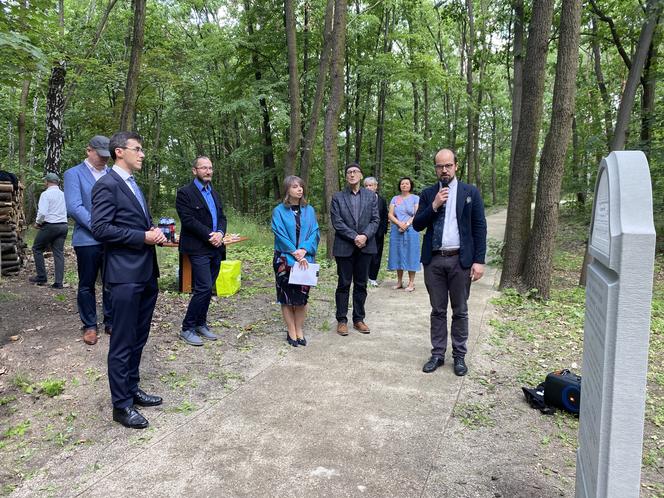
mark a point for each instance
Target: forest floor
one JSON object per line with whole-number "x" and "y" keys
{"x": 248, "y": 414}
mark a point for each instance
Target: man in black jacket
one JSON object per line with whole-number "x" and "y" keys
{"x": 203, "y": 226}
{"x": 354, "y": 215}
{"x": 371, "y": 183}
{"x": 453, "y": 254}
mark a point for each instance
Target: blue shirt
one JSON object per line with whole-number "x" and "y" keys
{"x": 206, "y": 191}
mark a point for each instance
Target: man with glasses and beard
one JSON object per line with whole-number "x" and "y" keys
{"x": 453, "y": 254}
{"x": 201, "y": 239}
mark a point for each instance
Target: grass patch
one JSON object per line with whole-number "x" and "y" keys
{"x": 23, "y": 382}
{"x": 52, "y": 387}
{"x": 17, "y": 430}
{"x": 185, "y": 407}
{"x": 474, "y": 415}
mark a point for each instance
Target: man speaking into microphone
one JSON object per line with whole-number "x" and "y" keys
{"x": 453, "y": 254}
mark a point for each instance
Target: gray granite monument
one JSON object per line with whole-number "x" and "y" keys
{"x": 617, "y": 330}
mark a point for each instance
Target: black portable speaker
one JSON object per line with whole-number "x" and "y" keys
{"x": 562, "y": 389}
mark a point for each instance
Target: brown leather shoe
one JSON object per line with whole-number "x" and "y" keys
{"x": 361, "y": 327}
{"x": 90, "y": 336}
{"x": 342, "y": 328}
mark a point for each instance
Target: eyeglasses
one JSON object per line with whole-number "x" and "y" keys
{"x": 353, "y": 172}
{"x": 448, "y": 166}
{"x": 205, "y": 168}
{"x": 138, "y": 150}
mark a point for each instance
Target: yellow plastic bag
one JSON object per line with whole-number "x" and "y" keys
{"x": 229, "y": 279}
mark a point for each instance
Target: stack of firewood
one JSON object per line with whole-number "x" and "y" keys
{"x": 12, "y": 227}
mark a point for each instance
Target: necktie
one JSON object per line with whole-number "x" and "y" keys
{"x": 137, "y": 192}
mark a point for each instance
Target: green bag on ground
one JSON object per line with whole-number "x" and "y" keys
{"x": 229, "y": 279}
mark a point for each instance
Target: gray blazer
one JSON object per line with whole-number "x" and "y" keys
{"x": 347, "y": 227}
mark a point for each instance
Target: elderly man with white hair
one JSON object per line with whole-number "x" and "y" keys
{"x": 372, "y": 184}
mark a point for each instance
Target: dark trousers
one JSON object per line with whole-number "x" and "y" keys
{"x": 353, "y": 269}
{"x": 442, "y": 277}
{"x": 133, "y": 305}
{"x": 90, "y": 261}
{"x": 54, "y": 235}
{"x": 204, "y": 272}
{"x": 374, "y": 266}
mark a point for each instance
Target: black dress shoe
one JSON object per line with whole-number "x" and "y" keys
{"x": 143, "y": 399}
{"x": 292, "y": 342}
{"x": 460, "y": 367}
{"x": 302, "y": 342}
{"x": 433, "y": 363}
{"x": 130, "y": 417}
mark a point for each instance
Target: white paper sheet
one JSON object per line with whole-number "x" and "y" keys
{"x": 300, "y": 276}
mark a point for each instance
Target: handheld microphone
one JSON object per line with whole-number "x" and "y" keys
{"x": 444, "y": 183}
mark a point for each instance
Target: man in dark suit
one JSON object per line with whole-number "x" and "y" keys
{"x": 372, "y": 184}
{"x": 354, "y": 215}
{"x": 79, "y": 181}
{"x": 121, "y": 220}
{"x": 203, "y": 226}
{"x": 453, "y": 254}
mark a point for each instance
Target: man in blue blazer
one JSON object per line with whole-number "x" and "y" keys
{"x": 354, "y": 215}
{"x": 203, "y": 225}
{"x": 79, "y": 181}
{"x": 453, "y": 254}
{"x": 122, "y": 221}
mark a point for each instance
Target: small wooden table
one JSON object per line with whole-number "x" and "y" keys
{"x": 184, "y": 272}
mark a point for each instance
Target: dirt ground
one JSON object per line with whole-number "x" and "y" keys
{"x": 40, "y": 340}
{"x": 514, "y": 451}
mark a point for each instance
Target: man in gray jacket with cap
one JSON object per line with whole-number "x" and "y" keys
{"x": 79, "y": 181}
{"x": 52, "y": 224}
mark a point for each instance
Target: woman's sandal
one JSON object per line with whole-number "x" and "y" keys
{"x": 397, "y": 287}
{"x": 409, "y": 288}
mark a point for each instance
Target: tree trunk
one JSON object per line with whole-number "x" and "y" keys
{"x": 648, "y": 82}
{"x": 380, "y": 106}
{"x": 22, "y": 139}
{"x": 653, "y": 11}
{"x": 293, "y": 90}
{"x": 493, "y": 154}
{"x": 522, "y": 169}
{"x": 131, "y": 86}
{"x": 539, "y": 260}
{"x": 323, "y": 68}
{"x": 470, "y": 113}
{"x": 599, "y": 76}
{"x": 55, "y": 104}
{"x": 517, "y": 85}
{"x": 330, "y": 132}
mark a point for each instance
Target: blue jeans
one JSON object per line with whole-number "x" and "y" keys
{"x": 204, "y": 272}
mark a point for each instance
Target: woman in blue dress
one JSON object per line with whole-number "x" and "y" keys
{"x": 296, "y": 239}
{"x": 404, "y": 240}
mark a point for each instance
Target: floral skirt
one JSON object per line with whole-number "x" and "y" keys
{"x": 288, "y": 294}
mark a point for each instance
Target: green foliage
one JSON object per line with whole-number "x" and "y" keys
{"x": 17, "y": 430}
{"x": 52, "y": 387}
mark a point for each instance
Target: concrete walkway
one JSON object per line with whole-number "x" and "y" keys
{"x": 345, "y": 416}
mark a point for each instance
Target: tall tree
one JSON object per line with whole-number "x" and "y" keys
{"x": 522, "y": 169}
{"x": 131, "y": 85}
{"x": 539, "y": 261}
{"x": 55, "y": 104}
{"x": 330, "y": 132}
{"x": 323, "y": 69}
{"x": 293, "y": 90}
{"x": 517, "y": 85}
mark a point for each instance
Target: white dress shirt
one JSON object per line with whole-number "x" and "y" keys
{"x": 451, "y": 227}
{"x": 52, "y": 208}
{"x": 95, "y": 172}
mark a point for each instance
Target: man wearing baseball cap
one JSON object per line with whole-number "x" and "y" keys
{"x": 79, "y": 181}
{"x": 52, "y": 224}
